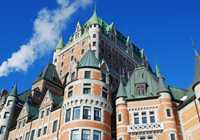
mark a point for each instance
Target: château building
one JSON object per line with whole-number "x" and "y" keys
{"x": 101, "y": 87}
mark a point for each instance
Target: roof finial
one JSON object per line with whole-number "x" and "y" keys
{"x": 194, "y": 48}
{"x": 95, "y": 9}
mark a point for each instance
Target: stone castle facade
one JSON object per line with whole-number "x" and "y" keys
{"x": 101, "y": 87}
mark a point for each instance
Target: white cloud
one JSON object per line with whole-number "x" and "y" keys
{"x": 47, "y": 28}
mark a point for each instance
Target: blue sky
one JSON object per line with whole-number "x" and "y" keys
{"x": 162, "y": 28}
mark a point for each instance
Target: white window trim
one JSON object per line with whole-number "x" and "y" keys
{"x": 121, "y": 118}
{"x": 174, "y": 134}
{"x": 170, "y": 112}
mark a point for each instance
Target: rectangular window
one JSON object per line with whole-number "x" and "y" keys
{"x": 144, "y": 118}
{"x": 19, "y": 125}
{"x": 21, "y": 138}
{"x": 150, "y": 138}
{"x": 68, "y": 115}
{"x": 168, "y": 112}
{"x": 172, "y": 136}
{"x": 94, "y": 43}
{"x": 76, "y": 113}
{"x": 48, "y": 112}
{"x": 86, "y": 113}
{"x": 24, "y": 123}
{"x": 70, "y": 93}
{"x": 103, "y": 77}
{"x": 142, "y": 138}
{"x": 152, "y": 117}
{"x": 104, "y": 95}
{"x": 86, "y": 91}
{"x": 120, "y": 138}
{"x": 97, "y": 114}
{"x": 39, "y": 132}
{"x": 75, "y": 135}
{"x": 6, "y": 115}
{"x": 117, "y": 61}
{"x": 86, "y": 135}
{"x": 119, "y": 117}
{"x": 87, "y": 74}
{"x": 2, "y": 131}
{"x": 97, "y": 135}
{"x": 136, "y": 118}
{"x": 32, "y": 134}
{"x": 42, "y": 114}
{"x": 9, "y": 103}
{"x": 45, "y": 130}
{"x": 110, "y": 64}
{"x": 110, "y": 56}
{"x": 27, "y": 136}
{"x": 102, "y": 50}
{"x": 55, "y": 124}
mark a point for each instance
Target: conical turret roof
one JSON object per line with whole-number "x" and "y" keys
{"x": 60, "y": 43}
{"x": 158, "y": 73}
{"x": 14, "y": 91}
{"x": 95, "y": 19}
{"x": 121, "y": 91}
{"x": 161, "y": 86}
{"x": 89, "y": 59}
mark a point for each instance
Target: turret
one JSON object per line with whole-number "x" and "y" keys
{"x": 7, "y": 113}
{"x": 57, "y": 50}
{"x": 166, "y": 107}
{"x": 87, "y": 101}
{"x": 122, "y": 113}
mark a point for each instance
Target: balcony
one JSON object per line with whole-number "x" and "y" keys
{"x": 148, "y": 127}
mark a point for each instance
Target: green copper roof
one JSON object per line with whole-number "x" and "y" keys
{"x": 197, "y": 68}
{"x": 121, "y": 91}
{"x": 177, "y": 93}
{"x": 50, "y": 74}
{"x": 141, "y": 75}
{"x": 95, "y": 19}
{"x": 60, "y": 43}
{"x": 14, "y": 91}
{"x": 56, "y": 99}
{"x": 89, "y": 59}
{"x": 161, "y": 86}
{"x": 22, "y": 96}
{"x": 158, "y": 73}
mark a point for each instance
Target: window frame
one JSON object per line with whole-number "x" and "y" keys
{"x": 170, "y": 111}
{"x": 82, "y": 51}
{"x": 39, "y": 132}
{"x": 119, "y": 117}
{"x": 9, "y": 103}
{"x": 87, "y": 74}
{"x": 96, "y": 118}
{"x": 27, "y": 136}
{"x": 76, "y": 117}
{"x": 67, "y": 119}
{"x": 2, "y": 130}
{"x": 45, "y": 130}
{"x": 32, "y": 134}
{"x": 87, "y": 89}
{"x": 88, "y": 116}
{"x": 6, "y": 115}
{"x": 55, "y": 126}
{"x": 88, "y": 130}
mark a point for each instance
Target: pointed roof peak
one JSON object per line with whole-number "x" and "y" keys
{"x": 60, "y": 43}
{"x": 196, "y": 53}
{"x": 14, "y": 91}
{"x": 162, "y": 86}
{"x": 158, "y": 73}
{"x": 121, "y": 90}
{"x": 95, "y": 8}
{"x": 89, "y": 59}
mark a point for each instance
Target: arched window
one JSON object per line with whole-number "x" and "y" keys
{"x": 94, "y": 35}
{"x": 82, "y": 51}
{"x": 63, "y": 56}
{"x": 72, "y": 58}
{"x": 62, "y": 64}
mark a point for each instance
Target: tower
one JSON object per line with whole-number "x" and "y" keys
{"x": 7, "y": 113}
{"x": 86, "y": 109}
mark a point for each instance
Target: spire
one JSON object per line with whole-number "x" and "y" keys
{"x": 196, "y": 54}
{"x": 60, "y": 43}
{"x": 158, "y": 73}
{"x": 95, "y": 19}
{"x": 161, "y": 86}
{"x": 14, "y": 91}
{"x": 197, "y": 67}
{"x": 121, "y": 91}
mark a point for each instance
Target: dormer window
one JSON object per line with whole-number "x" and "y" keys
{"x": 141, "y": 89}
